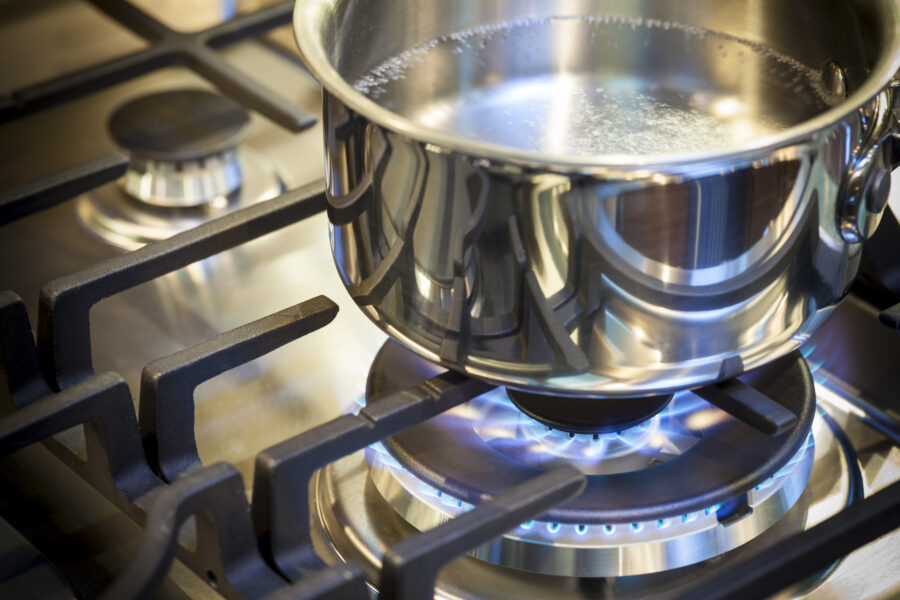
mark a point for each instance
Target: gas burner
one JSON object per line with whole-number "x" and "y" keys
{"x": 182, "y": 146}
{"x": 185, "y": 168}
{"x": 357, "y": 523}
{"x": 587, "y": 415}
{"x": 689, "y": 484}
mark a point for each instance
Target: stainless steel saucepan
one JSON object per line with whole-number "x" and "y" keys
{"x": 603, "y": 197}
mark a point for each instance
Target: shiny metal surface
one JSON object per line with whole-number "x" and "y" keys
{"x": 555, "y": 246}
{"x": 343, "y": 41}
{"x": 183, "y": 184}
{"x": 357, "y": 524}
{"x": 611, "y": 550}
{"x": 127, "y": 223}
{"x": 866, "y": 191}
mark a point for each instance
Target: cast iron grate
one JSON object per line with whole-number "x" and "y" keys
{"x": 263, "y": 550}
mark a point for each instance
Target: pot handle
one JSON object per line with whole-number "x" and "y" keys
{"x": 867, "y": 186}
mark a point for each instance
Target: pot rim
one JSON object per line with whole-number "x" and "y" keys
{"x": 308, "y": 13}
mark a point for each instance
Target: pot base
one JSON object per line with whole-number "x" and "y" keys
{"x": 588, "y": 415}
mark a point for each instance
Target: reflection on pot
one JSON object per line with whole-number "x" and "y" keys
{"x": 579, "y": 284}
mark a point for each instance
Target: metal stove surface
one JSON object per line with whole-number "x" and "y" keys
{"x": 322, "y": 375}
{"x": 304, "y": 383}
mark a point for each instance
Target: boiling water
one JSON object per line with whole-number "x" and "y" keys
{"x": 579, "y": 116}
{"x": 588, "y": 86}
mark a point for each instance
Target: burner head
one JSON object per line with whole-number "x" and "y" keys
{"x": 690, "y": 483}
{"x": 588, "y": 415}
{"x": 182, "y": 145}
{"x": 179, "y": 125}
{"x": 185, "y": 168}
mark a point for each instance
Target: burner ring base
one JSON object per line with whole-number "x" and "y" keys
{"x": 109, "y": 213}
{"x": 611, "y": 550}
{"x": 354, "y": 524}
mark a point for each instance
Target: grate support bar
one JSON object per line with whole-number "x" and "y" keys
{"x": 167, "y": 384}
{"x": 64, "y": 333}
{"x": 759, "y": 576}
{"x": 169, "y": 47}
{"x": 410, "y": 567}
{"x": 283, "y": 472}
{"x": 44, "y": 193}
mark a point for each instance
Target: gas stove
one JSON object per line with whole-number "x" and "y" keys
{"x": 183, "y": 428}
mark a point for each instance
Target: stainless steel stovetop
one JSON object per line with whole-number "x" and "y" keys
{"x": 250, "y": 408}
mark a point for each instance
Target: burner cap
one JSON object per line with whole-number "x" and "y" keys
{"x": 587, "y": 415}
{"x": 179, "y": 125}
{"x": 183, "y": 147}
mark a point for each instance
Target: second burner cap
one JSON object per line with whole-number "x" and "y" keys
{"x": 179, "y": 125}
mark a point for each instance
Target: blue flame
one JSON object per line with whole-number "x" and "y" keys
{"x": 494, "y": 417}
{"x": 505, "y": 428}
